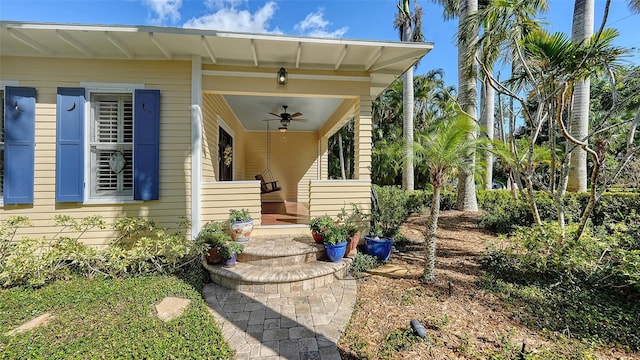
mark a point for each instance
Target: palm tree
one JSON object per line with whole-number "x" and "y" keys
{"x": 410, "y": 28}
{"x": 467, "y": 92}
{"x": 581, "y": 30}
{"x": 502, "y": 24}
{"x": 442, "y": 150}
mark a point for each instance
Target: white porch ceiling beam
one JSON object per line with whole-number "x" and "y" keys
{"x": 397, "y": 59}
{"x": 118, "y": 44}
{"x": 74, "y": 43}
{"x": 159, "y": 46}
{"x": 209, "y": 50}
{"x": 298, "y": 54}
{"x": 254, "y": 52}
{"x": 29, "y": 42}
{"x": 343, "y": 53}
{"x": 374, "y": 57}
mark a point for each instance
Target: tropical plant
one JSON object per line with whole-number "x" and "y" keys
{"x": 213, "y": 234}
{"x": 354, "y": 220}
{"x": 410, "y": 28}
{"x": 230, "y": 248}
{"x": 442, "y": 150}
{"x": 239, "y": 215}
{"x": 335, "y": 234}
{"x": 320, "y": 224}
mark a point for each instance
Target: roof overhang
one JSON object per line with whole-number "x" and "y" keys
{"x": 383, "y": 61}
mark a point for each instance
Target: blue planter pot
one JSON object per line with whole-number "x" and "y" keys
{"x": 379, "y": 247}
{"x": 231, "y": 262}
{"x": 336, "y": 252}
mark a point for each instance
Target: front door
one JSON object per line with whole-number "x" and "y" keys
{"x": 225, "y": 155}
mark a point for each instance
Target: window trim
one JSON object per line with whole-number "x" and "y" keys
{"x": 3, "y": 87}
{"x": 101, "y": 88}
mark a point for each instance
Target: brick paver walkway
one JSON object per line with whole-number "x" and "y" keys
{"x": 292, "y": 325}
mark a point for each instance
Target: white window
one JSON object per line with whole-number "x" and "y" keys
{"x": 111, "y": 145}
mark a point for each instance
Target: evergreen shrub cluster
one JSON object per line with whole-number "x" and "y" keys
{"x": 142, "y": 248}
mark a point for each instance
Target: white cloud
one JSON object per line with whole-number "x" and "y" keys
{"x": 316, "y": 25}
{"x": 228, "y": 17}
{"x": 164, "y": 9}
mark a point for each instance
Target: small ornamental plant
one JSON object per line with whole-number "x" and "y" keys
{"x": 320, "y": 224}
{"x": 335, "y": 234}
{"x": 239, "y": 215}
{"x": 213, "y": 234}
{"x": 230, "y": 248}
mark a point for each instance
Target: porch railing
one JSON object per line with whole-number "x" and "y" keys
{"x": 220, "y": 196}
{"x": 330, "y": 196}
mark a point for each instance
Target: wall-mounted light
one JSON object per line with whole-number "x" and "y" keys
{"x": 282, "y": 76}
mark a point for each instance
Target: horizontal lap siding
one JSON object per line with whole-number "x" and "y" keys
{"x": 172, "y": 78}
{"x": 328, "y": 197}
{"x": 219, "y": 197}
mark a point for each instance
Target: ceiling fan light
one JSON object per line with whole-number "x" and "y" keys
{"x": 282, "y": 76}
{"x": 283, "y": 129}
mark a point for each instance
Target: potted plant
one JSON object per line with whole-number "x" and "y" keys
{"x": 213, "y": 235}
{"x": 229, "y": 252}
{"x": 241, "y": 224}
{"x": 335, "y": 242}
{"x": 380, "y": 238}
{"x": 318, "y": 226}
{"x": 355, "y": 223}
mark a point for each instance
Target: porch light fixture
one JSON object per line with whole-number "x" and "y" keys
{"x": 282, "y": 76}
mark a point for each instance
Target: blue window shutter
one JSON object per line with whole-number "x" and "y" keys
{"x": 70, "y": 145}
{"x": 19, "y": 144}
{"x": 146, "y": 145}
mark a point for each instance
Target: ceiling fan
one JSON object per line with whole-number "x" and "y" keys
{"x": 286, "y": 118}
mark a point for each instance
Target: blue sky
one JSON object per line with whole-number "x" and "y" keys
{"x": 353, "y": 19}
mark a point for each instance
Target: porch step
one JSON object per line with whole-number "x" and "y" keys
{"x": 279, "y": 264}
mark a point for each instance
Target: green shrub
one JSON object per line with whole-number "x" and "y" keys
{"x": 141, "y": 248}
{"x": 363, "y": 263}
{"x": 392, "y": 211}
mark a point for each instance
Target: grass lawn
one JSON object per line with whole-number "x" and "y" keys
{"x": 108, "y": 319}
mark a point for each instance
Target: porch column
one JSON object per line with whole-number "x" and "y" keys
{"x": 363, "y": 127}
{"x": 196, "y": 143}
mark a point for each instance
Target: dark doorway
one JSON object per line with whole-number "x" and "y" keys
{"x": 225, "y": 155}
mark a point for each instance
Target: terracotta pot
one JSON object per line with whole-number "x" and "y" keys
{"x": 317, "y": 237}
{"x": 213, "y": 256}
{"x": 352, "y": 245}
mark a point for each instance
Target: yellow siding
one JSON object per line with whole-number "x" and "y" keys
{"x": 364, "y": 143}
{"x": 172, "y": 78}
{"x": 328, "y": 197}
{"x": 214, "y": 107}
{"x": 293, "y": 162}
{"x": 219, "y": 197}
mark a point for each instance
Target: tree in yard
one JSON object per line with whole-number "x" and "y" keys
{"x": 410, "y": 28}
{"x": 581, "y": 31}
{"x": 442, "y": 149}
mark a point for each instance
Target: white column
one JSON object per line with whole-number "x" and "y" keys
{"x": 196, "y": 143}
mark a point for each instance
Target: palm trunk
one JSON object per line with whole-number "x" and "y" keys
{"x": 582, "y": 29}
{"x": 429, "y": 274}
{"x": 467, "y": 200}
{"x": 407, "y": 123}
{"x": 488, "y": 109}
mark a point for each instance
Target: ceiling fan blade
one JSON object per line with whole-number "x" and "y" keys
{"x": 296, "y": 114}
{"x": 300, "y": 120}
{"x": 276, "y": 115}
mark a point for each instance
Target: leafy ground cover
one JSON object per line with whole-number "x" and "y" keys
{"x": 108, "y": 319}
{"x": 469, "y": 314}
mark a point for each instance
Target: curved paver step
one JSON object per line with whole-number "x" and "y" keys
{"x": 274, "y": 279}
{"x": 279, "y": 250}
